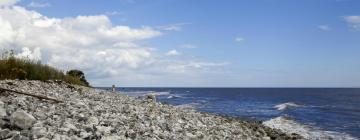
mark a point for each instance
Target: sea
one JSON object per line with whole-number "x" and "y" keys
{"x": 315, "y": 113}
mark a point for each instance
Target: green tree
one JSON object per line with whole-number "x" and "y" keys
{"x": 78, "y": 74}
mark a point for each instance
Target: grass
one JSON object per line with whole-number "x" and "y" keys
{"x": 26, "y": 69}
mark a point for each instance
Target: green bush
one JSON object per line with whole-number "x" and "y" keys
{"x": 22, "y": 68}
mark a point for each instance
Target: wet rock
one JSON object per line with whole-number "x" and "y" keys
{"x": 22, "y": 119}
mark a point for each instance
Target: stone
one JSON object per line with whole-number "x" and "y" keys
{"x": 3, "y": 123}
{"x": 93, "y": 120}
{"x": 112, "y": 138}
{"x": 19, "y": 137}
{"x": 22, "y": 119}
{"x": 104, "y": 130}
{"x": 38, "y": 132}
{"x": 4, "y": 134}
{"x": 150, "y": 98}
{"x": 43, "y": 138}
{"x": 61, "y": 137}
{"x": 85, "y": 135}
{"x": 70, "y": 126}
{"x": 2, "y": 110}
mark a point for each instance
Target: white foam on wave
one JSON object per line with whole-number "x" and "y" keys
{"x": 287, "y": 105}
{"x": 189, "y": 106}
{"x": 289, "y": 126}
{"x": 158, "y": 93}
{"x": 174, "y": 96}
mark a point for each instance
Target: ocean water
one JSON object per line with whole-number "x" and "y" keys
{"x": 316, "y": 113}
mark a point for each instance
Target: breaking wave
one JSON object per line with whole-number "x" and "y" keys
{"x": 287, "y": 105}
{"x": 158, "y": 93}
{"x": 189, "y": 106}
{"x": 174, "y": 96}
{"x": 289, "y": 126}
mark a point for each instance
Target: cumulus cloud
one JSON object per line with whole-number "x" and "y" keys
{"x": 38, "y": 5}
{"x": 173, "y": 53}
{"x": 8, "y": 2}
{"x": 324, "y": 27}
{"x": 93, "y": 44}
{"x": 27, "y": 53}
{"x": 353, "y": 21}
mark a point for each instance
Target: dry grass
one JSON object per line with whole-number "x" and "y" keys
{"x": 22, "y": 68}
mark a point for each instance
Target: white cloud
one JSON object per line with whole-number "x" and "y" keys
{"x": 8, "y": 2}
{"x": 105, "y": 52}
{"x": 324, "y": 27}
{"x": 353, "y": 21}
{"x": 187, "y": 67}
{"x": 173, "y": 53}
{"x": 27, "y": 53}
{"x": 239, "y": 39}
{"x": 189, "y": 46}
{"x": 173, "y": 27}
{"x": 38, "y": 5}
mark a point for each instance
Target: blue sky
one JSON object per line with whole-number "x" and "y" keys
{"x": 236, "y": 43}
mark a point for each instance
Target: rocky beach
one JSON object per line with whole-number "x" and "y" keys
{"x": 89, "y": 113}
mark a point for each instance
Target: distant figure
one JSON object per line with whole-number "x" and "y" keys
{"x": 113, "y": 88}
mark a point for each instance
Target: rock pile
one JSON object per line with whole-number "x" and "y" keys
{"x": 88, "y": 113}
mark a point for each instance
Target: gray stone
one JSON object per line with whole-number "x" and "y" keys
{"x": 22, "y": 119}
{"x": 2, "y": 109}
{"x": 150, "y": 98}
{"x": 4, "y": 134}
{"x": 19, "y": 137}
{"x": 104, "y": 130}
{"x": 93, "y": 120}
{"x": 38, "y": 132}
{"x": 70, "y": 126}
{"x": 61, "y": 137}
{"x": 84, "y": 134}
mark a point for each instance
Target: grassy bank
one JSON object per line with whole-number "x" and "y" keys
{"x": 12, "y": 67}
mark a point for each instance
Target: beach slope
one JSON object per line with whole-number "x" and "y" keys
{"x": 88, "y": 113}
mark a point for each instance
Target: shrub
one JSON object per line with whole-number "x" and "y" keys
{"x": 23, "y": 68}
{"x": 79, "y": 75}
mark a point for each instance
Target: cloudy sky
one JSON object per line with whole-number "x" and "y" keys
{"x": 191, "y": 43}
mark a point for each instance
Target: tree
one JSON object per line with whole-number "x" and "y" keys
{"x": 78, "y": 74}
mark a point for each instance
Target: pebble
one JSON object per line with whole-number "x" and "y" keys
{"x": 104, "y": 115}
{"x": 22, "y": 119}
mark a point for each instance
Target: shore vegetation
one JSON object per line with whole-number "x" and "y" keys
{"x": 12, "y": 67}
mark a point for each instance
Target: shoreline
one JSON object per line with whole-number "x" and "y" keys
{"x": 89, "y": 113}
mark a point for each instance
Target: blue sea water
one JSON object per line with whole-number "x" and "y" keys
{"x": 323, "y": 109}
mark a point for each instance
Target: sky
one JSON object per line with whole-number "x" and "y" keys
{"x": 190, "y": 43}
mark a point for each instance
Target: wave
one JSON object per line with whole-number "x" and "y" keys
{"x": 158, "y": 93}
{"x": 189, "y": 106}
{"x": 174, "y": 96}
{"x": 289, "y": 126}
{"x": 287, "y": 105}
